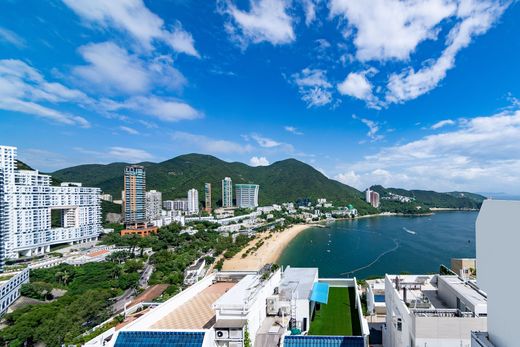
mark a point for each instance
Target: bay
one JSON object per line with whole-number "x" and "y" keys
{"x": 368, "y": 247}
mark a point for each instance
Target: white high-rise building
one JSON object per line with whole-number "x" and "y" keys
{"x": 153, "y": 205}
{"x": 35, "y": 215}
{"x": 193, "y": 201}
{"x": 497, "y": 239}
{"x": 247, "y": 195}
{"x": 367, "y": 195}
{"x": 227, "y": 192}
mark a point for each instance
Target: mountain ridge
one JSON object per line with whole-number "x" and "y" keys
{"x": 282, "y": 181}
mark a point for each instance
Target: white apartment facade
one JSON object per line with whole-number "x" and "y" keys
{"x": 193, "y": 201}
{"x": 432, "y": 310}
{"x": 27, "y": 202}
{"x": 227, "y": 192}
{"x": 10, "y": 289}
{"x": 497, "y": 243}
{"x": 153, "y": 205}
{"x": 247, "y": 195}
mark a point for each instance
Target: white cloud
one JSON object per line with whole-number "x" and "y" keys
{"x": 129, "y": 130}
{"x": 11, "y": 37}
{"x": 477, "y": 17}
{"x": 129, "y": 154}
{"x": 313, "y": 86}
{"x": 293, "y": 130}
{"x": 112, "y": 69}
{"x": 208, "y": 144}
{"x": 133, "y": 17}
{"x": 391, "y": 29}
{"x": 168, "y": 110}
{"x": 265, "y": 141}
{"x": 452, "y": 160}
{"x": 23, "y": 89}
{"x": 443, "y": 123}
{"x": 357, "y": 86}
{"x": 373, "y": 128}
{"x": 309, "y": 7}
{"x": 266, "y": 21}
{"x": 258, "y": 161}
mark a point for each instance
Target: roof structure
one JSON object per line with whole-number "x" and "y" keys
{"x": 324, "y": 341}
{"x": 159, "y": 338}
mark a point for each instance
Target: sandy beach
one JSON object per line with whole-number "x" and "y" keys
{"x": 269, "y": 252}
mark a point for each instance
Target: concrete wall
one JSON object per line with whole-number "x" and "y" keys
{"x": 446, "y": 331}
{"x": 498, "y": 239}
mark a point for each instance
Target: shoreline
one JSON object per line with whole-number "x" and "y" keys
{"x": 274, "y": 246}
{"x": 269, "y": 252}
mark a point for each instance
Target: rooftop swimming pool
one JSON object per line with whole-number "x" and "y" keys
{"x": 379, "y": 298}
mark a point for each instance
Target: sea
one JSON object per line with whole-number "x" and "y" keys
{"x": 370, "y": 247}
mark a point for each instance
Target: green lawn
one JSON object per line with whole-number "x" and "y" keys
{"x": 339, "y": 316}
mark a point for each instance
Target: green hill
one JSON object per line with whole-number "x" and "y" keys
{"x": 282, "y": 181}
{"x": 428, "y": 199}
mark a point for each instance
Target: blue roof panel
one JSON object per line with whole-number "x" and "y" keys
{"x": 159, "y": 338}
{"x": 320, "y": 292}
{"x": 324, "y": 341}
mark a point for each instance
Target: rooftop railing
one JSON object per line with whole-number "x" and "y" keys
{"x": 442, "y": 313}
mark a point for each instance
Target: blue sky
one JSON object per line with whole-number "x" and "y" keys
{"x": 414, "y": 94}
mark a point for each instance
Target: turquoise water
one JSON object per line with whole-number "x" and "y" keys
{"x": 375, "y": 246}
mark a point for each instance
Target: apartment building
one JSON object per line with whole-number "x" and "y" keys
{"x": 207, "y": 197}
{"x": 134, "y": 194}
{"x": 227, "y": 192}
{"x": 153, "y": 205}
{"x": 193, "y": 201}
{"x": 497, "y": 244}
{"x": 35, "y": 215}
{"x": 10, "y": 289}
{"x": 432, "y": 310}
{"x": 247, "y": 195}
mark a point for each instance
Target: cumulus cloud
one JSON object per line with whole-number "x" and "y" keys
{"x": 134, "y": 18}
{"x": 477, "y": 17}
{"x": 313, "y": 86}
{"x": 113, "y": 69}
{"x": 443, "y": 123}
{"x": 451, "y": 160}
{"x": 23, "y": 89}
{"x": 357, "y": 85}
{"x": 391, "y": 29}
{"x": 383, "y": 30}
{"x": 266, "y": 21}
{"x": 258, "y": 161}
{"x": 210, "y": 145}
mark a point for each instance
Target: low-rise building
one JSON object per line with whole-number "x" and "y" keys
{"x": 106, "y": 197}
{"x": 464, "y": 267}
{"x": 194, "y": 271}
{"x": 141, "y": 230}
{"x": 432, "y": 310}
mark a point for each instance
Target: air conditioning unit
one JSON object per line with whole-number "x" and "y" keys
{"x": 235, "y": 344}
{"x": 221, "y": 334}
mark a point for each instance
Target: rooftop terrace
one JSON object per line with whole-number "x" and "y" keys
{"x": 196, "y": 313}
{"x": 339, "y": 317}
